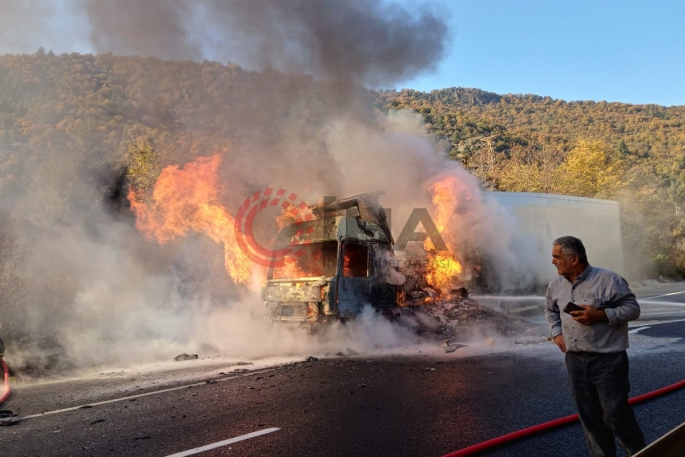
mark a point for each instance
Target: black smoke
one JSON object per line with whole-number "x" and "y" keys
{"x": 368, "y": 42}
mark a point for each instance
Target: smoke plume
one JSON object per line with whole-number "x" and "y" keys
{"x": 106, "y": 294}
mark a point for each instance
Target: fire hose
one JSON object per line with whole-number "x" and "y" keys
{"x": 6, "y": 370}
{"x": 494, "y": 442}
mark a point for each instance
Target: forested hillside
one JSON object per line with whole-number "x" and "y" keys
{"x": 462, "y": 115}
{"x": 70, "y": 121}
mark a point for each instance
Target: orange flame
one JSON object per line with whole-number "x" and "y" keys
{"x": 188, "y": 200}
{"x": 443, "y": 268}
{"x": 311, "y": 263}
{"x": 289, "y": 269}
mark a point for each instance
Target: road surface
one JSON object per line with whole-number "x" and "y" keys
{"x": 408, "y": 403}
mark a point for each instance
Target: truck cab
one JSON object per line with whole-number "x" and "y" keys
{"x": 339, "y": 267}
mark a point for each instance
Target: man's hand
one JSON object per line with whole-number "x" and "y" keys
{"x": 589, "y": 315}
{"x": 559, "y": 341}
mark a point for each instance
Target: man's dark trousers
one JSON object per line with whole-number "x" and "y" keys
{"x": 600, "y": 387}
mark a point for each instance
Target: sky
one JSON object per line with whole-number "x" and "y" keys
{"x": 627, "y": 51}
{"x": 620, "y": 51}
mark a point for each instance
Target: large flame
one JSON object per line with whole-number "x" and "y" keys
{"x": 185, "y": 200}
{"x": 443, "y": 269}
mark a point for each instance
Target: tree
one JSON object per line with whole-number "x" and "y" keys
{"x": 623, "y": 148}
{"x": 143, "y": 165}
{"x": 530, "y": 169}
{"x": 587, "y": 171}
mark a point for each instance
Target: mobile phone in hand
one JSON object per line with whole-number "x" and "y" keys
{"x": 572, "y": 307}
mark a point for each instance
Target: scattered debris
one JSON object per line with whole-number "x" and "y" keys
{"x": 453, "y": 315}
{"x": 461, "y": 293}
{"x": 145, "y": 437}
{"x": 184, "y": 356}
{"x": 86, "y": 406}
{"x": 450, "y": 345}
{"x": 8, "y": 418}
{"x": 352, "y": 352}
{"x": 241, "y": 370}
{"x": 9, "y": 421}
{"x": 244, "y": 363}
{"x": 210, "y": 381}
{"x": 97, "y": 421}
{"x": 311, "y": 358}
{"x": 451, "y": 348}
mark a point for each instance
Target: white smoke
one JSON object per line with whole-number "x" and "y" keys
{"x": 105, "y": 295}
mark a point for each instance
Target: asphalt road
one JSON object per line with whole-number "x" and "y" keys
{"x": 663, "y": 301}
{"x": 673, "y": 292}
{"x": 421, "y": 404}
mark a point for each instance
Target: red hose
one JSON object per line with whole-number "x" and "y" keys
{"x": 554, "y": 423}
{"x": 7, "y": 382}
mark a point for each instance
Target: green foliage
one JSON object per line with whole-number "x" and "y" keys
{"x": 588, "y": 172}
{"x": 143, "y": 165}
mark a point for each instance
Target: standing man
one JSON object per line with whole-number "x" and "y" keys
{"x": 594, "y": 339}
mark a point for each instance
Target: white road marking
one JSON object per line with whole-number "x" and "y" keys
{"x": 654, "y": 315}
{"x": 208, "y": 447}
{"x": 664, "y": 295}
{"x": 147, "y": 394}
{"x": 661, "y": 303}
{"x": 635, "y": 330}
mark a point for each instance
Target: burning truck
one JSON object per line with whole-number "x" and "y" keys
{"x": 344, "y": 262}
{"x": 343, "y": 256}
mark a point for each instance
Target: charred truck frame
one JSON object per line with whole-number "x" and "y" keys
{"x": 340, "y": 268}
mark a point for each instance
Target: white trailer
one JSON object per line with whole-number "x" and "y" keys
{"x": 545, "y": 217}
